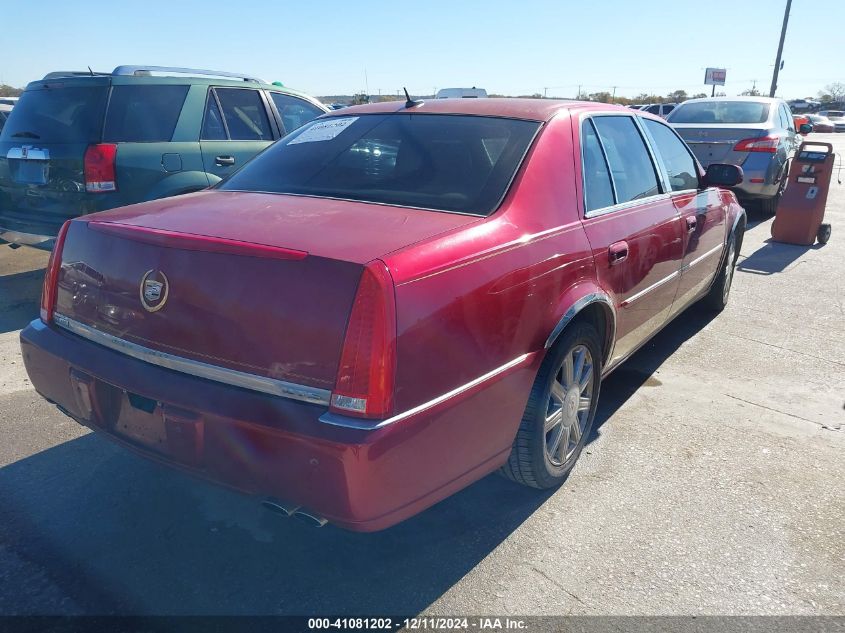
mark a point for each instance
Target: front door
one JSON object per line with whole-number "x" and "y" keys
{"x": 701, "y": 213}
{"x": 235, "y": 128}
{"x": 632, "y": 226}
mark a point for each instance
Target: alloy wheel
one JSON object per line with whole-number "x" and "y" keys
{"x": 568, "y": 409}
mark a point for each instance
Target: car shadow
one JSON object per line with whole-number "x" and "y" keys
{"x": 772, "y": 257}
{"x": 20, "y": 297}
{"x": 638, "y": 371}
{"x": 119, "y": 534}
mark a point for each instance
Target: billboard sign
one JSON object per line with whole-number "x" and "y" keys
{"x": 715, "y": 77}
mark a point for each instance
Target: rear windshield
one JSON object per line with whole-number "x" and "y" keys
{"x": 721, "y": 112}
{"x": 57, "y": 114}
{"x": 142, "y": 114}
{"x": 443, "y": 162}
{"x": 835, "y": 114}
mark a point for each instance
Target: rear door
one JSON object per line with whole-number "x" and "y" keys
{"x": 701, "y": 213}
{"x": 42, "y": 151}
{"x": 236, "y": 126}
{"x": 632, "y": 225}
{"x": 292, "y": 112}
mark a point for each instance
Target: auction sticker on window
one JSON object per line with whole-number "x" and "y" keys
{"x": 324, "y": 130}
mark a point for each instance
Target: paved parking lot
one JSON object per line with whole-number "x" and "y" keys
{"x": 713, "y": 484}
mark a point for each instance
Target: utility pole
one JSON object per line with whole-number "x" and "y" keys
{"x": 613, "y": 98}
{"x": 774, "y": 87}
{"x": 545, "y": 92}
{"x": 578, "y": 96}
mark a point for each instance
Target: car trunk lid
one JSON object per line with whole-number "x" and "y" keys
{"x": 715, "y": 143}
{"x": 254, "y": 283}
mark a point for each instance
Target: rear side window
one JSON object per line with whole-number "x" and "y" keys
{"x": 431, "y": 161}
{"x": 655, "y": 109}
{"x": 630, "y": 164}
{"x": 143, "y": 114}
{"x": 294, "y": 112}
{"x": 677, "y": 160}
{"x": 667, "y": 109}
{"x": 244, "y": 114}
{"x": 598, "y": 191}
{"x": 58, "y": 114}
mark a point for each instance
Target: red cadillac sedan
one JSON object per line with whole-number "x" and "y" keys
{"x": 389, "y": 303}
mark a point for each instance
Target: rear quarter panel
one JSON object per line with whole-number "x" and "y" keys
{"x": 477, "y": 298}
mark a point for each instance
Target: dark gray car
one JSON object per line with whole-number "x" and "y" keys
{"x": 756, "y": 133}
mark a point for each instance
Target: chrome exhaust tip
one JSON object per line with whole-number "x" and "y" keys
{"x": 280, "y": 507}
{"x": 310, "y": 519}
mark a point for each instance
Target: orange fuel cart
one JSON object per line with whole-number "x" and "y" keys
{"x": 800, "y": 215}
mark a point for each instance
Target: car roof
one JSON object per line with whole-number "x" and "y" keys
{"x": 528, "y": 109}
{"x": 178, "y": 80}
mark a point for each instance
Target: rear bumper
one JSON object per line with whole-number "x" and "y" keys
{"x": 269, "y": 446}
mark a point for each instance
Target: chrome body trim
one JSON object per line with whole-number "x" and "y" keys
{"x": 575, "y": 308}
{"x": 28, "y": 152}
{"x": 196, "y": 368}
{"x": 371, "y": 425}
{"x": 701, "y": 258}
{"x": 654, "y": 286}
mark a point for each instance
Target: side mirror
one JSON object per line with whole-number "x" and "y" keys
{"x": 805, "y": 128}
{"x": 723, "y": 175}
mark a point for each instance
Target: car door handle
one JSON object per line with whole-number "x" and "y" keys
{"x": 617, "y": 252}
{"x": 224, "y": 161}
{"x": 692, "y": 223}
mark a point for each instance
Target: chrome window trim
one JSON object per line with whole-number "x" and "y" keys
{"x": 588, "y": 116}
{"x": 371, "y": 425}
{"x": 196, "y": 368}
{"x": 627, "y": 205}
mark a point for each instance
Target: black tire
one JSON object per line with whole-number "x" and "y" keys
{"x": 769, "y": 206}
{"x": 529, "y": 462}
{"x": 823, "y": 234}
{"x": 720, "y": 291}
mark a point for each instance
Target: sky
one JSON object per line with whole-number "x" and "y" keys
{"x": 507, "y": 47}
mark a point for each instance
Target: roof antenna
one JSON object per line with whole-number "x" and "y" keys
{"x": 410, "y": 103}
{"x": 90, "y": 71}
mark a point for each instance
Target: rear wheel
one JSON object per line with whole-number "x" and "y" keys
{"x": 769, "y": 206}
{"x": 720, "y": 292}
{"x": 823, "y": 234}
{"x": 560, "y": 411}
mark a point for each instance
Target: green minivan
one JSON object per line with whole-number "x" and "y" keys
{"x": 77, "y": 143}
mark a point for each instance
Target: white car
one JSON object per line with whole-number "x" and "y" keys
{"x": 461, "y": 93}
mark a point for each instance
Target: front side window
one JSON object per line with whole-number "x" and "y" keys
{"x": 680, "y": 165}
{"x": 244, "y": 114}
{"x": 598, "y": 190}
{"x": 453, "y": 163}
{"x": 294, "y": 112}
{"x": 142, "y": 114}
{"x": 633, "y": 172}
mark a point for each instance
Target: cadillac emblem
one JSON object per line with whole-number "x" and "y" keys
{"x": 154, "y": 290}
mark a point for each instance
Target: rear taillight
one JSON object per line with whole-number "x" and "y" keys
{"x": 51, "y": 276}
{"x": 759, "y": 144}
{"x": 99, "y": 168}
{"x": 364, "y": 386}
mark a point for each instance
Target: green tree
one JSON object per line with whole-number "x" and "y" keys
{"x": 676, "y": 96}
{"x": 832, "y": 93}
{"x": 603, "y": 97}
{"x": 751, "y": 92}
{"x": 9, "y": 91}
{"x": 699, "y": 95}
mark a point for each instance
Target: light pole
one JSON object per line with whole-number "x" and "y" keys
{"x": 774, "y": 87}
